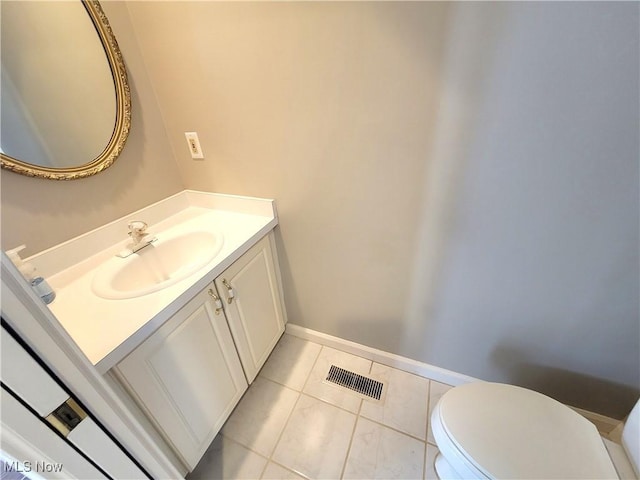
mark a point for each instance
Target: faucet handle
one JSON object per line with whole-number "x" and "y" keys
{"x": 137, "y": 231}
{"x": 137, "y": 226}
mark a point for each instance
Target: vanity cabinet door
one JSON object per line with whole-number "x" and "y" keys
{"x": 187, "y": 377}
{"x": 253, "y": 305}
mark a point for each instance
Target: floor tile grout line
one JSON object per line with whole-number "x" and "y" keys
{"x": 432, "y": 463}
{"x": 289, "y": 469}
{"x": 262, "y": 379}
{"x": 270, "y": 457}
{"x": 346, "y": 458}
{"x": 413, "y": 437}
{"x": 379, "y": 422}
{"x": 299, "y": 392}
{"x": 329, "y": 403}
{"x": 286, "y": 423}
{"x": 278, "y": 383}
{"x": 306, "y": 377}
{"x": 271, "y": 460}
{"x": 358, "y": 415}
{"x": 264, "y": 469}
{"x": 426, "y": 433}
{"x": 423, "y": 441}
{"x": 321, "y": 399}
{"x": 243, "y": 445}
{"x": 284, "y": 426}
{"x": 233, "y": 440}
{"x": 304, "y": 385}
{"x": 393, "y": 428}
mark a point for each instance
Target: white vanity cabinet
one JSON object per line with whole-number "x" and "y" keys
{"x": 253, "y": 304}
{"x": 187, "y": 377}
{"x": 190, "y": 374}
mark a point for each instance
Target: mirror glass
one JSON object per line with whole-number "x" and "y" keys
{"x": 65, "y": 103}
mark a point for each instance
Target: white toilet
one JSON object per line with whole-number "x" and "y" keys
{"x": 498, "y": 431}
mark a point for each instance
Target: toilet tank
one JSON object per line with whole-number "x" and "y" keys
{"x": 631, "y": 437}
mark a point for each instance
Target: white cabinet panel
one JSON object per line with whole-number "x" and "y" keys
{"x": 25, "y": 432}
{"x": 28, "y": 379}
{"x": 187, "y": 377}
{"x": 253, "y": 305}
{"x": 93, "y": 441}
{"x": 27, "y": 439}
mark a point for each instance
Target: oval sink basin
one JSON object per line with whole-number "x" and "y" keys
{"x": 168, "y": 260}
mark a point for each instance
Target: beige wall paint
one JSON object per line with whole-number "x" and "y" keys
{"x": 327, "y": 107}
{"x": 43, "y": 213}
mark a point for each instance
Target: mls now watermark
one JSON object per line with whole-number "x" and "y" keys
{"x": 28, "y": 466}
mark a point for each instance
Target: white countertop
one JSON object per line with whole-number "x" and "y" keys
{"x": 108, "y": 330}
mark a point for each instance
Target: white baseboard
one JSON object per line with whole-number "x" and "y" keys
{"x": 608, "y": 427}
{"x": 425, "y": 370}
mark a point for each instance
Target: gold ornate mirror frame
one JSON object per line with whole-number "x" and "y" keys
{"x": 123, "y": 112}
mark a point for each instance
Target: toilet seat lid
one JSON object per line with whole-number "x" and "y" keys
{"x": 506, "y": 431}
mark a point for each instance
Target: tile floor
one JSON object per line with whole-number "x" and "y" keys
{"x": 292, "y": 425}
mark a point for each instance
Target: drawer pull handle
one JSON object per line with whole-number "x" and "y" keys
{"x": 230, "y": 293}
{"x": 216, "y": 300}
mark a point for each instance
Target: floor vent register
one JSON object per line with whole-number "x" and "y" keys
{"x": 364, "y": 386}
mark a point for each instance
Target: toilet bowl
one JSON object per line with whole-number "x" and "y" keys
{"x": 493, "y": 430}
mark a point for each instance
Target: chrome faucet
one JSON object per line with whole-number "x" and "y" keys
{"x": 137, "y": 232}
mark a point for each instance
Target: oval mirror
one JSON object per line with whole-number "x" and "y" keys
{"x": 65, "y": 101}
